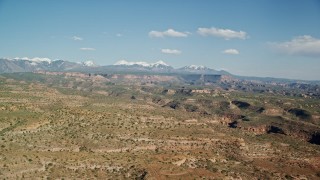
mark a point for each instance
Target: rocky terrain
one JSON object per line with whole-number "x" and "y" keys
{"x": 70, "y": 125}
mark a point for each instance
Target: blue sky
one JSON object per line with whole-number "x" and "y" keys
{"x": 254, "y": 38}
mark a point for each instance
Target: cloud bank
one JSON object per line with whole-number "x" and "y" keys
{"x": 231, "y": 51}
{"x": 302, "y": 45}
{"x": 87, "y": 49}
{"x": 223, "y": 33}
{"x": 168, "y": 33}
{"x": 171, "y": 51}
{"x": 77, "y": 38}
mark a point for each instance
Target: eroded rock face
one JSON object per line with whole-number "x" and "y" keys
{"x": 279, "y": 125}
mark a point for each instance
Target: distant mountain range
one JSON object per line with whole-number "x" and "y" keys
{"x": 45, "y": 64}
{"x": 160, "y": 67}
{"x": 39, "y": 64}
{"x": 194, "y": 69}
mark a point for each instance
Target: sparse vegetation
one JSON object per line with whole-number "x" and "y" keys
{"x": 57, "y": 126}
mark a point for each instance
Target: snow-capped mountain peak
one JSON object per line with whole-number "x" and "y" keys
{"x": 34, "y": 60}
{"x": 200, "y": 70}
{"x": 89, "y": 64}
{"x": 160, "y": 63}
{"x": 127, "y": 63}
{"x": 141, "y": 63}
{"x": 196, "y": 67}
{"x": 26, "y": 64}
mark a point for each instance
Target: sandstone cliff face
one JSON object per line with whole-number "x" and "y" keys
{"x": 302, "y": 131}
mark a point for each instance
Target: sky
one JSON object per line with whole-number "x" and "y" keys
{"x": 264, "y": 38}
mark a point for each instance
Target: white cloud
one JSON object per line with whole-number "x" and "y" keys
{"x": 87, "y": 49}
{"x": 168, "y": 33}
{"x": 302, "y": 45}
{"x": 119, "y": 35}
{"x": 171, "y": 51}
{"x": 231, "y": 51}
{"x": 77, "y": 38}
{"x": 224, "y": 33}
